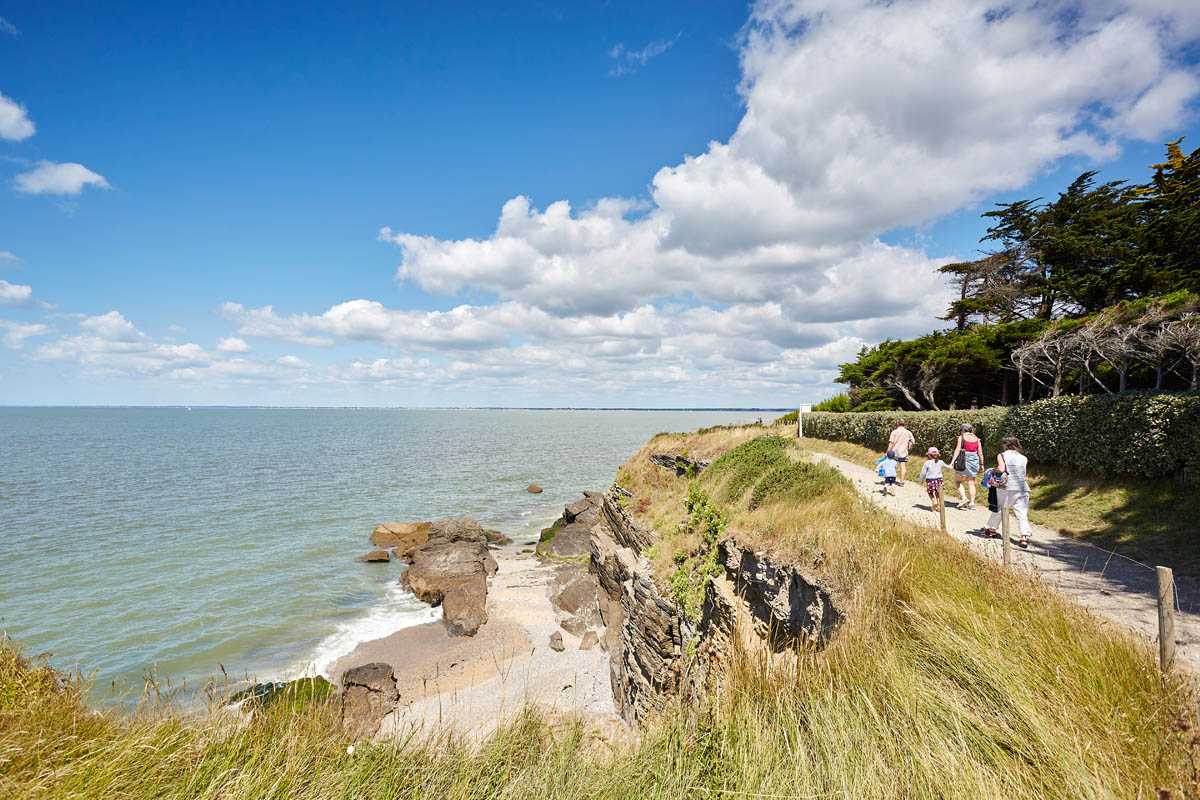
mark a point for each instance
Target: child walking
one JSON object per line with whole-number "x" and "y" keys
{"x": 931, "y": 473}
{"x": 887, "y": 468}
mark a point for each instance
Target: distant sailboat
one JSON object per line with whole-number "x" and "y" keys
{"x": 189, "y": 408}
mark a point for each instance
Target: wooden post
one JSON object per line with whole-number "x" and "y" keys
{"x": 1004, "y": 529}
{"x": 941, "y": 493}
{"x": 1166, "y": 618}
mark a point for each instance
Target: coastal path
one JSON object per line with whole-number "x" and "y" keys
{"x": 1118, "y": 588}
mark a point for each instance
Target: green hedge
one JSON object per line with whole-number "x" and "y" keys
{"x": 1137, "y": 433}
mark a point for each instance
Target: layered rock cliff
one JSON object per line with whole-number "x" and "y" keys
{"x": 656, "y": 651}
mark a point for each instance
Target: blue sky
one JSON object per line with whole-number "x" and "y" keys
{"x": 245, "y": 158}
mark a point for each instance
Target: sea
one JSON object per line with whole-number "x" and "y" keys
{"x": 171, "y": 548}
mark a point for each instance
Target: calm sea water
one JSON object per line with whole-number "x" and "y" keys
{"x": 174, "y": 541}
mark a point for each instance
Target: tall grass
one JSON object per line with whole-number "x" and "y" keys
{"x": 949, "y": 678}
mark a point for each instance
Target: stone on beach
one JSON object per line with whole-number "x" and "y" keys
{"x": 590, "y": 640}
{"x": 451, "y": 569}
{"x": 556, "y": 642}
{"x": 375, "y": 555}
{"x": 401, "y": 535}
{"x": 368, "y": 694}
{"x": 533, "y": 488}
{"x": 496, "y": 537}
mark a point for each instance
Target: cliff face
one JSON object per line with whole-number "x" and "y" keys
{"x": 656, "y": 652}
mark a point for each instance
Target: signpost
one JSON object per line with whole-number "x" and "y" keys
{"x": 800, "y": 412}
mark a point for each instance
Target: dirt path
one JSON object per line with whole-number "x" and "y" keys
{"x": 1116, "y": 587}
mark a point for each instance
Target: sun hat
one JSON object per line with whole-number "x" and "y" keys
{"x": 966, "y": 426}
{"x": 933, "y": 451}
{"x": 891, "y": 454}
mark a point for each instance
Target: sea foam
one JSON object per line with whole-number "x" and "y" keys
{"x": 399, "y": 609}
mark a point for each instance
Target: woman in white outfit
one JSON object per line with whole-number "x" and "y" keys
{"x": 1015, "y": 493}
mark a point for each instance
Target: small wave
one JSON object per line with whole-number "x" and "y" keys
{"x": 398, "y": 610}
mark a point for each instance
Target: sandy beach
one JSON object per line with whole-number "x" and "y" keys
{"x": 469, "y": 684}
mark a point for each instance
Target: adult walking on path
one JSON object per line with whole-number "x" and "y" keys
{"x": 900, "y": 442}
{"x": 1013, "y": 492}
{"x": 1116, "y": 587}
{"x": 971, "y": 448}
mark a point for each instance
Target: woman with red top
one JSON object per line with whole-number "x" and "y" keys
{"x": 971, "y": 447}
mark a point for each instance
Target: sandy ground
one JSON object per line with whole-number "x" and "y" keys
{"x": 471, "y": 684}
{"x": 1116, "y": 587}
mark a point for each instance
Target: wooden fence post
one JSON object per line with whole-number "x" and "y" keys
{"x": 1004, "y": 529}
{"x": 1166, "y": 618}
{"x": 941, "y": 494}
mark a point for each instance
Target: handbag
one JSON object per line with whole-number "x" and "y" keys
{"x": 960, "y": 461}
{"x": 1000, "y": 479}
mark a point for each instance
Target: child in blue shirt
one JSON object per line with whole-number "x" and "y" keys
{"x": 887, "y": 469}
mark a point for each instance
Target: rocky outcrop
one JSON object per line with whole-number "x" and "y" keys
{"x": 570, "y": 535}
{"x": 653, "y": 645}
{"x": 680, "y": 464}
{"x": 404, "y": 536}
{"x": 375, "y": 555}
{"x": 576, "y": 600}
{"x": 368, "y": 695}
{"x": 451, "y": 570}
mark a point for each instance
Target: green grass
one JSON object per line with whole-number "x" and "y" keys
{"x": 949, "y": 678}
{"x": 1151, "y": 520}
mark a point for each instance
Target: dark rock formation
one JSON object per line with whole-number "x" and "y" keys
{"x": 368, "y": 694}
{"x": 297, "y": 694}
{"x": 650, "y": 640}
{"x": 682, "y": 466}
{"x": 451, "y": 569}
{"x": 556, "y": 642}
{"x": 375, "y": 555}
{"x": 404, "y": 536}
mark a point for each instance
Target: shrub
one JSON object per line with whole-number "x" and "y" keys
{"x": 839, "y": 404}
{"x": 1150, "y": 434}
{"x": 741, "y": 467}
{"x": 799, "y": 480}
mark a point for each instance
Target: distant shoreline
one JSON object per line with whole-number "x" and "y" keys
{"x": 402, "y": 408}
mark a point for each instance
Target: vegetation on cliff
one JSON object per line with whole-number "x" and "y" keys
{"x": 948, "y": 678}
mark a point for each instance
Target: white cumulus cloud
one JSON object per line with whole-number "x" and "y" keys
{"x": 15, "y": 333}
{"x": 232, "y": 344}
{"x": 15, "y": 295}
{"x": 15, "y": 123}
{"x": 49, "y": 177}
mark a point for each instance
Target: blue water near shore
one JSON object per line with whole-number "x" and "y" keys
{"x": 171, "y": 542}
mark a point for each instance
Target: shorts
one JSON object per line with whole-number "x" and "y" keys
{"x": 889, "y": 480}
{"x": 934, "y": 487}
{"x": 901, "y": 459}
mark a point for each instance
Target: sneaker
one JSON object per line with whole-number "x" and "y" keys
{"x": 1023, "y": 542}
{"x": 990, "y": 533}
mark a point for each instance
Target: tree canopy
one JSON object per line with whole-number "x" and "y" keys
{"x": 1097, "y": 286}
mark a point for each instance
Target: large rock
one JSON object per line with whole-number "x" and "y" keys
{"x": 569, "y": 541}
{"x": 402, "y": 535}
{"x": 533, "y": 488}
{"x": 590, "y": 640}
{"x": 451, "y": 569}
{"x": 375, "y": 555}
{"x": 575, "y": 597}
{"x": 464, "y": 606}
{"x": 368, "y": 694}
